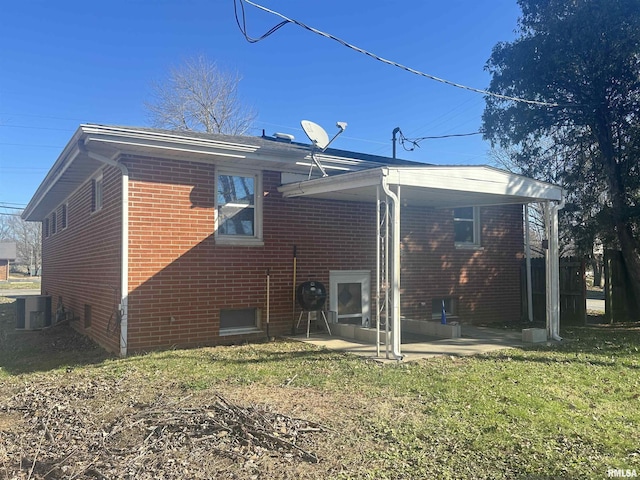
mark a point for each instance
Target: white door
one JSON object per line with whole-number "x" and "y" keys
{"x": 349, "y": 296}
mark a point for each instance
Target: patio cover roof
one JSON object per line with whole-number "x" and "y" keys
{"x": 430, "y": 185}
{"x": 438, "y": 187}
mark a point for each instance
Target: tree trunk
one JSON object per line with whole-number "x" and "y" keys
{"x": 619, "y": 208}
{"x": 596, "y": 264}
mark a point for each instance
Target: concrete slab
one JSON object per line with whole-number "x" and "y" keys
{"x": 474, "y": 341}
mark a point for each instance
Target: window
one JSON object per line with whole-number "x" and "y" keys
{"x": 63, "y": 216}
{"x": 466, "y": 225}
{"x": 87, "y": 315}
{"x": 450, "y": 307}
{"x": 54, "y": 223}
{"x": 45, "y": 227}
{"x": 238, "y": 321}
{"x": 96, "y": 193}
{"x": 238, "y": 208}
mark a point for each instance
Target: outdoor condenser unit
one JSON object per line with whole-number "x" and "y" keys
{"x": 33, "y": 312}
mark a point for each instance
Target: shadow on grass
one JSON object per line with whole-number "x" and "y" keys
{"x": 46, "y": 350}
{"x": 250, "y": 353}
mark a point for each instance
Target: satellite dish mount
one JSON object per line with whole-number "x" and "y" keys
{"x": 319, "y": 141}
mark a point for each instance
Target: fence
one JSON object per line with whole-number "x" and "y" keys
{"x": 573, "y": 291}
{"x": 619, "y": 300}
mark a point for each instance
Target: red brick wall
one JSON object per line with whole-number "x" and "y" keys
{"x": 81, "y": 264}
{"x": 4, "y": 270}
{"x": 180, "y": 272}
{"x": 485, "y": 281}
{"x": 180, "y": 279}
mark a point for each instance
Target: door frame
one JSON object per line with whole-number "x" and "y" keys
{"x": 363, "y": 277}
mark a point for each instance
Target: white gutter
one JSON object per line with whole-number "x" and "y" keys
{"x": 396, "y": 340}
{"x": 124, "y": 246}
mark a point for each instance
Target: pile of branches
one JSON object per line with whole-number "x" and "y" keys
{"x": 60, "y": 434}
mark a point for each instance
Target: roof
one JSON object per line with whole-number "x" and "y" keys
{"x": 353, "y": 176}
{"x": 8, "y": 250}
{"x": 431, "y": 186}
{"x": 75, "y": 166}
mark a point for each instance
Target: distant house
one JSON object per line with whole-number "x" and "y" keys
{"x": 7, "y": 255}
{"x": 157, "y": 238}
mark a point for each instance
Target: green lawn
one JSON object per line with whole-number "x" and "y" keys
{"x": 19, "y": 284}
{"x": 564, "y": 411}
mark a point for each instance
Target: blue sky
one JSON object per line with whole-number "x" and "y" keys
{"x": 69, "y": 62}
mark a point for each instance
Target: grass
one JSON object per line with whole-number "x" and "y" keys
{"x": 565, "y": 411}
{"x": 21, "y": 284}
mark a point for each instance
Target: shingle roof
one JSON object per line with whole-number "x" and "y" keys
{"x": 8, "y": 250}
{"x": 272, "y": 142}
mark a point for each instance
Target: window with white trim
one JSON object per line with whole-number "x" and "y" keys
{"x": 63, "y": 216}
{"x": 54, "y": 223}
{"x": 466, "y": 226}
{"x": 96, "y": 193}
{"x": 238, "y": 207}
{"x": 238, "y": 321}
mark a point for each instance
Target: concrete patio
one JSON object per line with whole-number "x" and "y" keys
{"x": 474, "y": 341}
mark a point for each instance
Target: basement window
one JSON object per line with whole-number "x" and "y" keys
{"x": 238, "y": 321}
{"x": 450, "y": 307}
{"x": 87, "y": 315}
{"x": 466, "y": 226}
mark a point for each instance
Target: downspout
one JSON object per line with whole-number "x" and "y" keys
{"x": 124, "y": 246}
{"x": 527, "y": 241}
{"x": 377, "y": 272}
{"x": 556, "y": 259}
{"x": 396, "y": 341}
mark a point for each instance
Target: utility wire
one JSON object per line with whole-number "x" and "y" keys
{"x": 286, "y": 20}
{"x": 415, "y": 142}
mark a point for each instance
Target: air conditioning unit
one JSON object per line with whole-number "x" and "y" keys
{"x": 33, "y": 312}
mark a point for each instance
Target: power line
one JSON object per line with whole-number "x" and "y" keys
{"x": 243, "y": 28}
{"x": 415, "y": 142}
{"x": 31, "y": 127}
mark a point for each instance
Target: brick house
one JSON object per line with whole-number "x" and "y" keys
{"x": 156, "y": 238}
{"x": 7, "y": 255}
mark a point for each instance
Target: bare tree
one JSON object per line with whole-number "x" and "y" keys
{"x": 27, "y": 236}
{"x": 5, "y": 228}
{"x": 199, "y": 96}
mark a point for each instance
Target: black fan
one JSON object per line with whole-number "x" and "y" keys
{"x": 311, "y": 296}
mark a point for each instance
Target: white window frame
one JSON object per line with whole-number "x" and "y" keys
{"x": 256, "y": 238}
{"x": 64, "y": 216}
{"x": 476, "y": 242}
{"x": 97, "y": 193}
{"x": 54, "y": 223}
{"x": 244, "y": 329}
{"x": 363, "y": 277}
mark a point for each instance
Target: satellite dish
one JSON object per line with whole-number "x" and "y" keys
{"x": 316, "y": 134}
{"x": 319, "y": 139}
